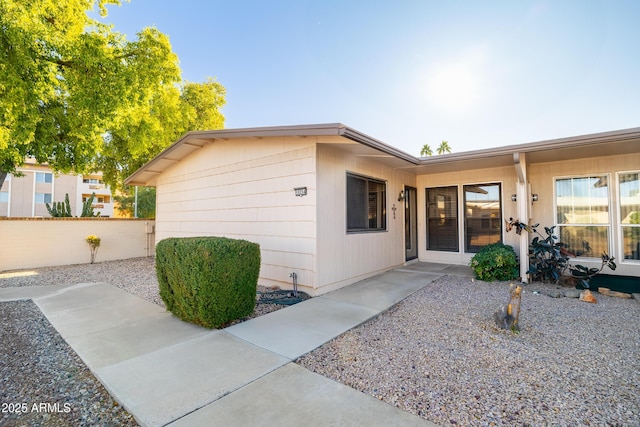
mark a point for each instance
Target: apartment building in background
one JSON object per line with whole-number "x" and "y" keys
{"x": 27, "y": 195}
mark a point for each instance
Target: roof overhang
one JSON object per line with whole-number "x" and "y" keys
{"x": 619, "y": 142}
{"x": 355, "y": 142}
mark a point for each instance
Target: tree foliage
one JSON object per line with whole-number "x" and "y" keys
{"x": 139, "y": 133}
{"x": 426, "y": 150}
{"x": 79, "y": 96}
{"x": 444, "y": 148}
{"x": 146, "y": 202}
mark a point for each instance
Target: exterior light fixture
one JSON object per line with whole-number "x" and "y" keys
{"x": 514, "y": 197}
{"x": 534, "y": 198}
{"x": 401, "y": 196}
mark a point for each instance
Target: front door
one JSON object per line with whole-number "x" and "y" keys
{"x": 410, "y": 223}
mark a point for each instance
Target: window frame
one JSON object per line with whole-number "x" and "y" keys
{"x": 621, "y": 226}
{"x": 45, "y": 176}
{"x": 44, "y": 198}
{"x": 428, "y": 219}
{"x": 465, "y": 217}
{"x": 595, "y": 254}
{"x": 381, "y": 206}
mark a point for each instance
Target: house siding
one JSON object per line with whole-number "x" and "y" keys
{"x": 344, "y": 258}
{"x": 244, "y": 189}
{"x": 240, "y": 183}
{"x": 542, "y": 177}
{"x": 507, "y": 178}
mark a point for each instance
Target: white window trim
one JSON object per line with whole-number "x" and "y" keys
{"x": 618, "y": 221}
{"x": 611, "y": 212}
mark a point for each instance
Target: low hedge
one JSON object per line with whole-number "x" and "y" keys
{"x": 209, "y": 281}
{"x": 496, "y": 261}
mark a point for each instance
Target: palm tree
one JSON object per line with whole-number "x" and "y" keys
{"x": 444, "y": 148}
{"x": 426, "y": 150}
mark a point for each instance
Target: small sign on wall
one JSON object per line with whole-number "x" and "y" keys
{"x": 300, "y": 191}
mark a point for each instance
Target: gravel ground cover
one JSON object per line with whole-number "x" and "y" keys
{"x": 43, "y": 382}
{"x": 439, "y": 355}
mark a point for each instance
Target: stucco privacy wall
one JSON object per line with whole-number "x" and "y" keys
{"x": 506, "y": 176}
{"x": 43, "y": 242}
{"x": 244, "y": 189}
{"x": 345, "y": 258}
{"x": 542, "y": 177}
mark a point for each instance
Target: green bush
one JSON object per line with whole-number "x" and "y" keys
{"x": 495, "y": 262}
{"x": 209, "y": 281}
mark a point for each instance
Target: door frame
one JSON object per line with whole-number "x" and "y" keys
{"x": 410, "y": 223}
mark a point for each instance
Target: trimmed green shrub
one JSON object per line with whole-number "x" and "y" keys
{"x": 209, "y": 281}
{"x": 495, "y": 262}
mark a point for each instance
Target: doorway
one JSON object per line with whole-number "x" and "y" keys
{"x": 410, "y": 223}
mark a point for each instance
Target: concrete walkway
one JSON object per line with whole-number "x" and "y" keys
{"x": 168, "y": 372}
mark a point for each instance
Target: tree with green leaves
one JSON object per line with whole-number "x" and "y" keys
{"x": 146, "y": 202}
{"x": 444, "y": 148}
{"x": 138, "y": 135}
{"x": 426, "y": 150}
{"x": 79, "y": 96}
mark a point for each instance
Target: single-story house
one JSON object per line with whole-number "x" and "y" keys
{"x": 335, "y": 206}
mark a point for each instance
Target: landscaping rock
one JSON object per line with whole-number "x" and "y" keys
{"x": 554, "y": 293}
{"x": 587, "y": 296}
{"x": 573, "y": 293}
{"x": 608, "y": 292}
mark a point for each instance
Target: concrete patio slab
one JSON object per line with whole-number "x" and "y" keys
{"x": 434, "y": 267}
{"x": 459, "y": 270}
{"x": 167, "y": 384}
{"x": 293, "y": 396}
{"x": 82, "y": 310}
{"x": 303, "y": 327}
{"x": 384, "y": 291}
{"x": 29, "y": 292}
{"x": 132, "y": 339}
{"x": 83, "y": 295}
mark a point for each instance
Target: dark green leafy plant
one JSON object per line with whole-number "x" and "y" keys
{"x": 583, "y": 274}
{"x": 495, "y": 262}
{"x": 549, "y": 259}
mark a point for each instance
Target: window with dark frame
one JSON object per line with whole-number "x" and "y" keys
{"x": 366, "y": 204}
{"x": 483, "y": 216}
{"x": 442, "y": 218}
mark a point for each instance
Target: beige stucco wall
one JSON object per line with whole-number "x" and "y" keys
{"x": 345, "y": 258}
{"x": 542, "y": 178}
{"x": 31, "y": 243}
{"x": 506, "y": 176}
{"x": 244, "y": 189}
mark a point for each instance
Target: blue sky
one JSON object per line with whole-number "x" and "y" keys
{"x": 478, "y": 74}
